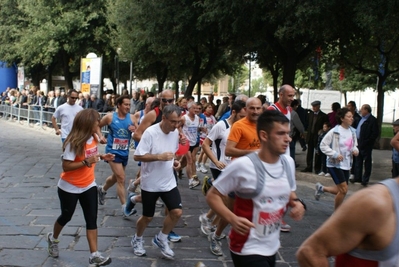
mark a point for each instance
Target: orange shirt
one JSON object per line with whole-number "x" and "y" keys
{"x": 82, "y": 177}
{"x": 243, "y": 132}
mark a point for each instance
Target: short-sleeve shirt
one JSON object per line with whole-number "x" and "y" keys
{"x": 157, "y": 176}
{"x": 66, "y": 113}
{"x": 243, "y": 132}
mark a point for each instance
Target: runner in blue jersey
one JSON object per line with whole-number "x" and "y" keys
{"x": 120, "y": 124}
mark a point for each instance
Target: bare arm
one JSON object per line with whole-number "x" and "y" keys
{"x": 166, "y": 156}
{"x": 346, "y": 228}
{"x": 232, "y": 151}
{"x": 55, "y": 125}
{"x": 206, "y": 146}
{"x": 149, "y": 119}
{"x": 395, "y": 141}
{"x": 215, "y": 202}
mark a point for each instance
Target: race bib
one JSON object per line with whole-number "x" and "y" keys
{"x": 91, "y": 152}
{"x": 120, "y": 144}
{"x": 268, "y": 223}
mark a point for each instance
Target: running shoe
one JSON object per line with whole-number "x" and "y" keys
{"x": 173, "y": 237}
{"x": 206, "y": 184}
{"x": 164, "y": 247}
{"x": 203, "y": 169}
{"x": 206, "y": 224}
{"x": 131, "y": 188}
{"x": 327, "y": 174}
{"x": 101, "y": 195}
{"x": 159, "y": 203}
{"x": 321, "y": 174}
{"x": 99, "y": 260}
{"x": 52, "y": 246}
{"x": 285, "y": 227}
{"x": 138, "y": 247}
{"x": 215, "y": 245}
{"x": 319, "y": 191}
{"x": 197, "y": 167}
{"x": 129, "y": 208}
{"x": 193, "y": 183}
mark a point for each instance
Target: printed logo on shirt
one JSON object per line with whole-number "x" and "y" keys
{"x": 123, "y": 133}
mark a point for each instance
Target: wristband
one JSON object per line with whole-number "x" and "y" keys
{"x": 300, "y": 200}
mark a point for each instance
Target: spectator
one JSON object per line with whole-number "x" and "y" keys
{"x": 134, "y": 101}
{"x": 319, "y": 153}
{"x": 332, "y": 115}
{"x": 97, "y": 103}
{"x": 109, "y": 105}
{"x": 316, "y": 120}
{"x": 367, "y": 133}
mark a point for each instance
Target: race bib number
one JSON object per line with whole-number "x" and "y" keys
{"x": 120, "y": 144}
{"x": 268, "y": 223}
{"x": 91, "y": 152}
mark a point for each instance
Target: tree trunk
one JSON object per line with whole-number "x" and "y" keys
{"x": 162, "y": 74}
{"x": 380, "y": 103}
{"x": 289, "y": 70}
{"x": 199, "y": 91}
{"x": 67, "y": 73}
{"x": 177, "y": 89}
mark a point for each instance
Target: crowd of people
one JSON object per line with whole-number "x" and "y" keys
{"x": 248, "y": 142}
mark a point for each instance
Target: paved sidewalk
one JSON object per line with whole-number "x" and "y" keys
{"x": 29, "y": 169}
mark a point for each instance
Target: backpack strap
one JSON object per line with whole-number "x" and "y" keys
{"x": 260, "y": 173}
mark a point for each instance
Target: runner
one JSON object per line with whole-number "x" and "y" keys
{"x": 121, "y": 126}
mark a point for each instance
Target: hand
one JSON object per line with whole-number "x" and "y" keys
{"x": 182, "y": 139}
{"x": 132, "y": 128}
{"x": 103, "y": 140}
{"x": 108, "y": 157}
{"x": 176, "y": 164}
{"x": 93, "y": 159}
{"x": 241, "y": 225}
{"x": 58, "y": 132}
{"x": 220, "y": 165}
{"x": 166, "y": 156}
{"x": 355, "y": 153}
{"x": 340, "y": 157}
{"x": 297, "y": 211}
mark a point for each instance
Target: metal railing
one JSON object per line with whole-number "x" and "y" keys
{"x": 34, "y": 115}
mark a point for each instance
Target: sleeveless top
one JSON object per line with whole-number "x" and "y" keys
{"x": 190, "y": 129}
{"x": 389, "y": 256}
{"x": 119, "y": 136}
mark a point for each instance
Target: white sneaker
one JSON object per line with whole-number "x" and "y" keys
{"x": 327, "y": 174}
{"x": 203, "y": 169}
{"x": 197, "y": 167}
{"x": 138, "y": 247}
{"x": 206, "y": 224}
{"x": 164, "y": 246}
{"x": 321, "y": 174}
{"x": 193, "y": 183}
{"x": 351, "y": 176}
{"x": 319, "y": 191}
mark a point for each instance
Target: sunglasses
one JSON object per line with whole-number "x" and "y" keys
{"x": 168, "y": 100}
{"x": 73, "y": 98}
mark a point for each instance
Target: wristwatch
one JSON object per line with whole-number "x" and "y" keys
{"x": 302, "y": 202}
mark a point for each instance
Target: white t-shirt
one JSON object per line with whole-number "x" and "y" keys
{"x": 64, "y": 185}
{"x": 265, "y": 210}
{"x": 190, "y": 129}
{"x": 345, "y": 147}
{"x": 157, "y": 176}
{"x": 66, "y": 113}
{"x": 219, "y": 131}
